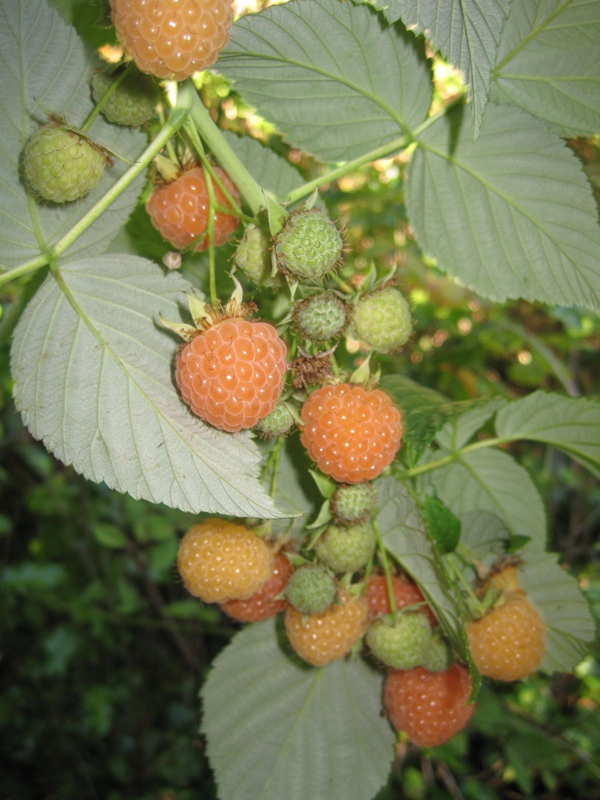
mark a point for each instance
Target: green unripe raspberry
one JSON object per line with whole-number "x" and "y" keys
{"x": 309, "y": 246}
{"x": 310, "y": 590}
{"x": 346, "y": 549}
{"x": 61, "y": 165}
{"x": 253, "y": 257}
{"x": 321, "y": 317}
{"x": 382, "y": 320}
{"x": 279, "y": 422}
{"x": 353, "y": 503}
{"x": 438, "y": 657}
{"x": 401, "y": 645}
{"x": 133, "y": 101}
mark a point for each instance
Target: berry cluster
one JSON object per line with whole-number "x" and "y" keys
{"x": 231, "y": 373}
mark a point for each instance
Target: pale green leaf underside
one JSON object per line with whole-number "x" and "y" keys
{"x": 97, "y": 388}
{"x": 405, "y": 536}
{"x": 484, "y": 538}
{"x": 571, "y": 424}
{"x": 570, "y": 628}
{"x": 330, "y": 75}
{"x": 466, "y": 32}
{"x": 489, "y": 480}
{"x": 270, "y": 170}
{"x": 278, "y": 728}
{"x": 45, "y": 68}
{"x": 457, "y": 432}
{"x": 549, "y": 63}
{"x": 511, "y": 215}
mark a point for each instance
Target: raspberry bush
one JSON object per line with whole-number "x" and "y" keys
{"x": 306, "y": 410}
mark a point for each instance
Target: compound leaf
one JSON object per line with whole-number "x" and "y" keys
{"x": 92, "y": 369}
{"x": 334, "y": 80}
{"x": 267, "y": 716}
{"x": 511, "y": 215}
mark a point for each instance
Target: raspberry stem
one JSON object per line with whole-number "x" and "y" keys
{"x": 250, "y": 189}
{"x": 386, "y": 568}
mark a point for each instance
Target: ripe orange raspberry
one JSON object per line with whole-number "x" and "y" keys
{"x": 172, "y": 38}
{"x": 261, "y": 605}
{"x": 231, "y": 375}
{"x": 508, "y": 643}
{"x": 179, "y": 210}
{"x": 321, "y": 638}
{"x": 353, "y": 434}
{"x": 220, "y": 561}
{"x": 431, "y": 707}
{"x": 406, "y": 593}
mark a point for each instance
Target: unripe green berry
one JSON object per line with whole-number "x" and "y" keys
{"x": 382, "y": 320}
{"x": 279, "y": 422}
{"x": 346, "y": 549}
{"x": 353, "y": 503}
{"x": 400, "y": 645}
{"x": 321, "y": 317}
{"x": 310, "y": 590}
{"x": 438, "y": 657}
{"x": 61, "y": 165}
{"x": 253, "y": 257}
{"x": 132, "y": 102}
{"x": 309, "y": 245}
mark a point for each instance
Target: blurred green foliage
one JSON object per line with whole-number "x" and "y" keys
{"x": 102, "y": 652}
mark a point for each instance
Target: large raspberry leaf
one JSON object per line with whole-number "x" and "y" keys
{"x": 47, "y": 69}
{"x": 93, "y": 379}
{"x": 490, "y": 480}
{"x": 573, "y": 425}
{"x": 278, "y": 728}
{"x": 548, "y": 63}
{"x": 511, "y": 215}
{"x": 334, "y": 79}
{"x": 467, "y": 33}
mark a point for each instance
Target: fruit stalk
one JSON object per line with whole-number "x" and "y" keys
{"x": 102, "y": 102}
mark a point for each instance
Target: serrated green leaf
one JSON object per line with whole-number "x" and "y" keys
{"x": 404, "y": 534}
{"x": 466, "y": 32}
{"x": 490, "y": 480}
{"x": 443, "y": 525}
{"x": 333, "y": 79}
{"x": 49, "y": 72}
{"x": 549, "y": 63}
{"x": 570, "y": 628}
{"x": 456, "y": 433}
{"x": 424, "y": 413}
{"x": 573, "y": 425}
{"x": 109, "y": 535}
{"x": 95, "y": 385}
{"x": 278, "y": 728}
{"x": 511, "y": 215}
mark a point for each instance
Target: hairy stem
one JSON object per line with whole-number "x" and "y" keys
{"x": 443, "y": 462}
{"x": 386, "y": 568}
{"x": 23, "y": 269}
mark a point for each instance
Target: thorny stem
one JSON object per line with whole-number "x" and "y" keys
{"x": 105, "y": 97}
{"x": 386, "y": 568}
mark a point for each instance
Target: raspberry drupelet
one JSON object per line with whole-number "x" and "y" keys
{"x": 172, "y": 38}
{"x": 179, "y": 210}
{"x": 406, "y": 593}
{"x": 262, "y": 604}
{"x": 352, "y": 433}
{"x": 232, "y": 374}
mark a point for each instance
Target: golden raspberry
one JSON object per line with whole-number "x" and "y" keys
{"x": 509, "y": 642}
{"x": 325, "y": 637}
{"x": 262, "y": 605}
{"x": 179, "y": 210}
{"x": 231, "y": 375}
{"x": 172, "y": 38}
{"x": 221, "y": 561}
{"x": 431, "y": 707}
{"x": 353, "y": 434}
